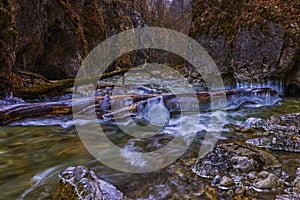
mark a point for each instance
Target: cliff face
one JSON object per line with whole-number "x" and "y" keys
{"x": 250, "y": 40}
{"x": 7, "y": 45}
{"x": 54, "y": 36}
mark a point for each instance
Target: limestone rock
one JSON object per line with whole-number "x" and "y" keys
{"x": 250, "y": 40}
{"x": 270, "y": 182}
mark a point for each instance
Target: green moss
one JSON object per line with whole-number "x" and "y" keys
{"x": 5, "y": 7}
{"x": 52, "y": 89}
{"x": 73, "y": 19}
{"x": 227, "y": 16}
{"x": 38, "y": 91}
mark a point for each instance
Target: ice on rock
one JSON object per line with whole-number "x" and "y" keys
{"x": 156, "y": 112}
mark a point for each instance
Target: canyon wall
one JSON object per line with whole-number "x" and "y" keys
{"x": 250, "y": 41}
{"x": 53, "y": 37}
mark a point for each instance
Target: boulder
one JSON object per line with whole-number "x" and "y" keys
{"x": 237, "y": 166}
{"x": 277, "y": 133}
{"x": 81, "y": 183}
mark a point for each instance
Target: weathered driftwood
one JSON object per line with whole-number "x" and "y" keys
{"x": 20, "y": 111}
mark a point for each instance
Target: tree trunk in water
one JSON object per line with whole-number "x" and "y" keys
{"x": 203, "y": 99}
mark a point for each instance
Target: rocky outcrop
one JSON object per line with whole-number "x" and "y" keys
{"x": 8, "y": 35}
{"x": 250, "y": 41}
{"x": 277, "y": 133}
{"x": 237, "y": 167}
{"x": 80, "y": 183}
{"x": 293, "y": 79}
{"x": 53, "y": 37}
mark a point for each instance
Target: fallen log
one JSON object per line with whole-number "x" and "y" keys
{"x": 173, "y": 102}
{"x": 31, "y": 74}
{"x": 43, "y": 90}
{"x": 55, "y": 88}
{"x": 27, "y": 110}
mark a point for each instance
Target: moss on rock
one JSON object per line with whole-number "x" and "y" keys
{"x": 226, "y": 17}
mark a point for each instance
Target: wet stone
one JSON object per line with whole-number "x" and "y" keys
{"x": 280, "y": 132}
{"x": 226, "y": 182}
{"x": 270, "y": 182}
{"x": 293, "y": 192}
{"x": 263, "y": 174}
{"x": 80, "y": 183}
{"x": 234, "y": 165}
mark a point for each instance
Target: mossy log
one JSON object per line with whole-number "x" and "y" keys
{"x": 31, "y": 74}
{"x": 56, "y": 87}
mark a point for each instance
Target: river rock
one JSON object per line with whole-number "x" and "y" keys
{"x": 293, "y": 192}
{"x": 270, "y": 182}
{"x": 226, "y": 182}
{"x": 242, "y": 164}
{"x": 80, "y": 183}
{"x": 279, "y": 132}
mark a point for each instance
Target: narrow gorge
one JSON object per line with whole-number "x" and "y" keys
{"x": 150, "y": 125}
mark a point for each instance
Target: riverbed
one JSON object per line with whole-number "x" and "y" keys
{"x": 32, "y": 154}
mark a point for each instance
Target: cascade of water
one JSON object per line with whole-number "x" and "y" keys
{"x": 265, "y": 83}
{"x": 156, "y": 112}
{"x": 48, "y": 121}
{"x": 252, "y": 98}
{"x": 10, "y": 100}
{"x": 128, "y": 152}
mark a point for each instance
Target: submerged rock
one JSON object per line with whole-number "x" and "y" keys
{"x": 233, "y": 165}
{"x": 279, "y": 132}
{"x": 80, "y": 183}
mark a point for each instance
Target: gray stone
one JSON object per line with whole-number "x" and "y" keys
{"x": 279, "y": 133}
{"x": 271, "y": 182}
{"x": 80, "y": 183}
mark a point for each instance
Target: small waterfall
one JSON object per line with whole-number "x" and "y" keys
{"x": 130, "y": 153}
{"x": 276, "y": 85}
{"x": 10, "y": 100}
{"x": 155, "y": 111}
{"x": 252, "y": 98}
{"x": 62, "y": 121}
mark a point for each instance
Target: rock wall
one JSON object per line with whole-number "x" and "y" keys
{"x": 249, "y": 40}
{"x": 55, "y": 36}
{"x": 7, "y": 45}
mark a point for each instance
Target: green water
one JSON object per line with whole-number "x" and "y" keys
{"x": 43, "y": 151}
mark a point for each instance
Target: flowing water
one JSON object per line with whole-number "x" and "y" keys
{"x": 34, "y": 151}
